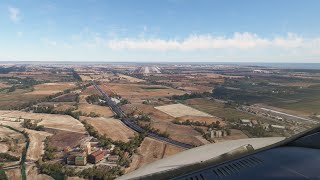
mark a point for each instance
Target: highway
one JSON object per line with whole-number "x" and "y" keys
{"x": 131, "y": 124}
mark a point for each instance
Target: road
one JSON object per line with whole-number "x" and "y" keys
{"x": 131, "y": 124}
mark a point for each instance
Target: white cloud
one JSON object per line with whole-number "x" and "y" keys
{"x": 14, "y": 14}
{"x": 244, "y": 40}
{"x": 19, "y": 34}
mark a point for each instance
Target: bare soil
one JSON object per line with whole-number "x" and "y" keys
{"x": 112, "y": 128}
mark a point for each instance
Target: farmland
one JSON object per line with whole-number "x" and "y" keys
{"x": 54, "y": 121}
{"x": 178, "y": 110}
{"x": 138, "y": 93}
{"x": 195, "y": 104}
{"x": 112, "y": 128}
{"x": 51, "y": 88}
{"x": 150, "y": 151}
{"x": 36, "y": 145}
{"x": 218, "y": 109}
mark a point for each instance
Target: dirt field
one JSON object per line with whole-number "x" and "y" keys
{"x": 36, "y": 145}
{"x": 14, "y": 174}
{"x": 155, "y": 114}
{"x": 90, "y": 91}
{"x": 138, "y": 93}
{"x": 51, "y": 88}
{"x": 3, "y": 85}
{"x": 61, "y": 139}
{"x": 171, "y": 150}
{"x": 178, "y": 110}
{"x": 100, "y": 110}
{"x": 4, "y": 148}
{"x": 130, "y": 78}
{"x": 15, "y": 144}
{"x": 17, "y": 98}
{"x": 112, "y": 128}
{"x": 150, "y": 151}
{"x": 180, "y": 133}
{"x": 55, "y": 121}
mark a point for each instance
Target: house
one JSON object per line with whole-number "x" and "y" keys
{"x": 71, "y": 159}
{"x": 217, "y": 133}
{"x": 254, "y": 122}
{"x": 246, "y": 122}
{"x": 80, "y": 160}
{"x": 86, "y": 147}
{"x": 278, "y": 127}
{"x": 113, "y": 158}
{"x": 96, "y": 156}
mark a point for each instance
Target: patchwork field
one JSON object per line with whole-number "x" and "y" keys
{"x": 112, "y": 128}
{"x": 180, "y": 133}
{"x": 218, "y": 109}
{"x": 138, "y": 93}
{"x": 51, "y": 88}
{"x": 61, "y": 139}
{"x": 16, "y": 98}
{"x": 100, "y": 110}
{"x": 155, "y": 114}
{"x": 54, "y": 121}
{"x": 150, "y": 151}
{"x": 178, "y": 110}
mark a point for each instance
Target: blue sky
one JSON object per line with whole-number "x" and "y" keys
{"x": 160, "y": 30}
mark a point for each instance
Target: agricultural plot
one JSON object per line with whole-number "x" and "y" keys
{"x": 54, "y": 121}
{"x": 62, "y": 139}
{"x": 17, "y": 98}
{"x": 112, "y": 128}
{"x": 130, "y": 78}
{"x": 150, "y": 151}
{"x": 3, "y": 85}
{"x": 36, "y": 144}
{"x": 90, "y": 91}
{"x": 180, "y": 133}
{"x": 178, "y": 110}
{"x": 138, "y": 93}
{"x": 218, "y": 109}
{"x": 14, "y": 174}
{"x": 99, "y": 110}
{"x": 15, "y": 141}
{"x": 153, "y": 113}
{"x": 51, "y": 88}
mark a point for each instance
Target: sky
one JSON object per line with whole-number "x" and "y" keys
{"x": 160, "y": 30}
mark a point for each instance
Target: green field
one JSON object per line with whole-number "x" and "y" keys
{"x": 218, "y": 109}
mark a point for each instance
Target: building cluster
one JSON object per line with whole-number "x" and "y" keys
{"x": 266, "y": 126}
{"x": 88, "y": 152}
{"x": 216, "y": 133}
